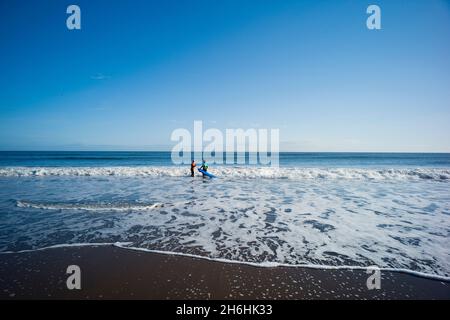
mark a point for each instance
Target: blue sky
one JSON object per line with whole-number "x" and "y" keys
{"x": 137, "y": 70}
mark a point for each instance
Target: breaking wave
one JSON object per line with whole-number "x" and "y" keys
{"x": 89, "y": 206}
{"x": 237, "y": 172}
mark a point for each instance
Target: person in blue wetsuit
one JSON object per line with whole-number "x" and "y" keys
{"x": 204, "y": 166}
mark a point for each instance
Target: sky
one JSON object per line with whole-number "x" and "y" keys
{"x": 137, "y": 70}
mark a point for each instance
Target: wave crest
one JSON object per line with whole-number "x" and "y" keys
{"x": 236, "y": 172}
{"x": 89, "y": 206}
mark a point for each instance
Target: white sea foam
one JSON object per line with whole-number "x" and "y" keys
{"x": 101, "y": 206}
{"x": 435, "y": 174}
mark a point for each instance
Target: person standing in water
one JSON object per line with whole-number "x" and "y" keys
{"x": 193, "y": 165}
{"x": 204, "y": 166}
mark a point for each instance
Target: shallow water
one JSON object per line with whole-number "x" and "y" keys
{"x": 394, "y": 221}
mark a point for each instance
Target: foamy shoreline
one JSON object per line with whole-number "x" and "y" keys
{"x": 111, "y": 272}
{"x": 125, "y": 245}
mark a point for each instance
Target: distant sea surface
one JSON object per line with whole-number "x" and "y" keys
{"x": 317, "y": 209}
{"x": 286, "y": 159}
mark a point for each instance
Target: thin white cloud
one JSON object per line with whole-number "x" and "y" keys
{"x": 100, "y": 76}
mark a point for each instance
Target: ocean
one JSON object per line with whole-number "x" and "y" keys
{"x": 324, "y": 210}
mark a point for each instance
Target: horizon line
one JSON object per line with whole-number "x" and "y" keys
{"x": 224, "y": 151}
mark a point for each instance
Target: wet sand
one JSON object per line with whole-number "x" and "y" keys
{"x": 109, "y": 272}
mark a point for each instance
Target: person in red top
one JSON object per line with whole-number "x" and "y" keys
{"x": 193, "y": 165}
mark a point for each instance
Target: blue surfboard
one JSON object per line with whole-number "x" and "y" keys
{"x": 206, "y": 173}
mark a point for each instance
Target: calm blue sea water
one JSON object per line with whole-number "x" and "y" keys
{"x": 321, "y": 209}
{"x": 294, "y": 159}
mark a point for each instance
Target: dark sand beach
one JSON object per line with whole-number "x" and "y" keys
{"x": 109, "y": 272}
